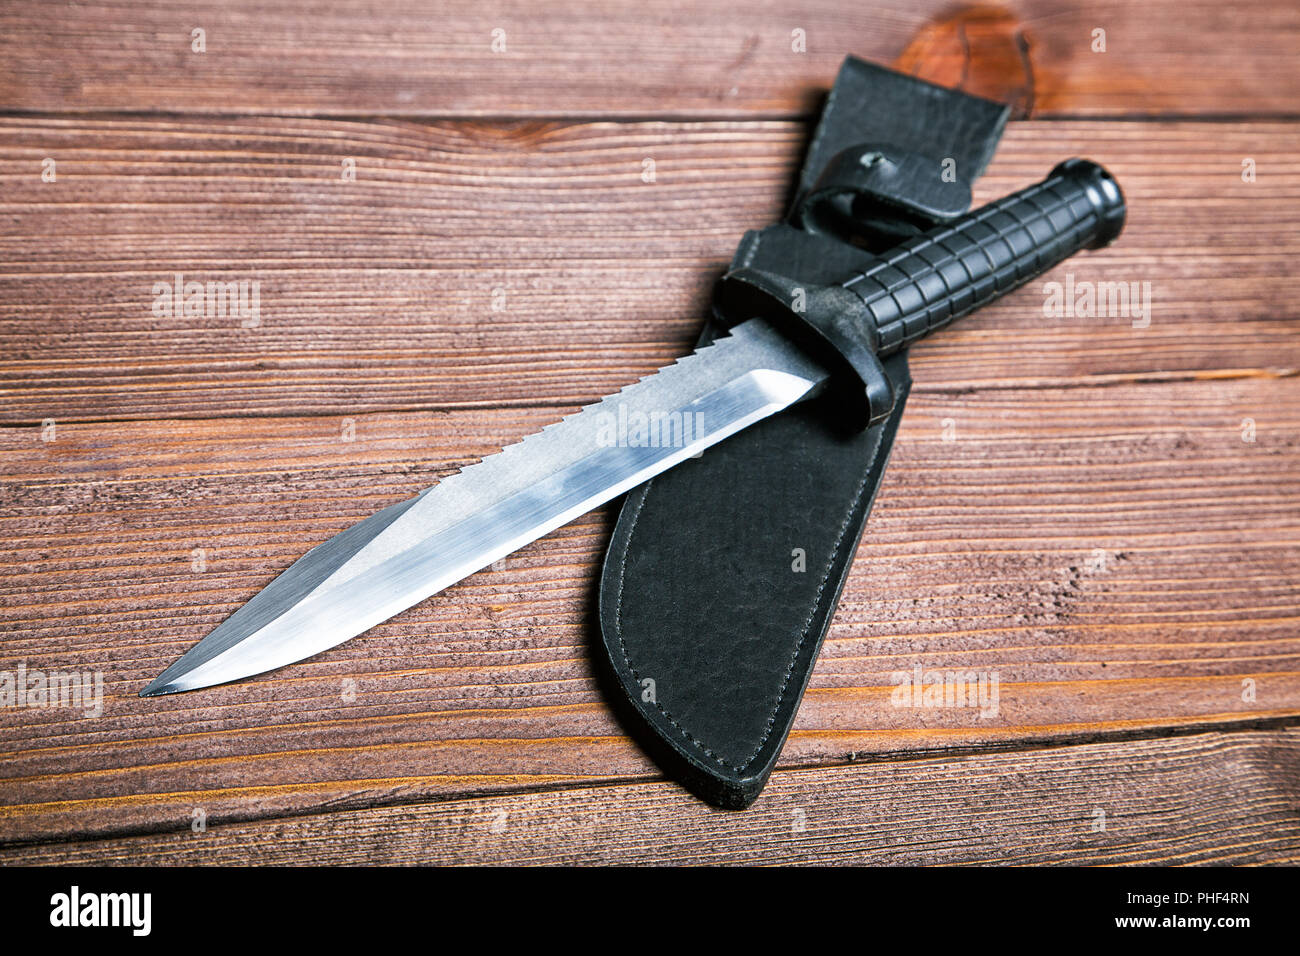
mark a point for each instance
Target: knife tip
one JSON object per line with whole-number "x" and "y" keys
{"x": 158, "y": 688}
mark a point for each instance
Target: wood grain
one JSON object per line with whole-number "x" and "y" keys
{"x": 1107, "y": 517}
{"x": 378, "y": 294}
{"x": 1206, "y": 799}
{"x": 1119, "y": 563}
{"x": 682, "y": 58}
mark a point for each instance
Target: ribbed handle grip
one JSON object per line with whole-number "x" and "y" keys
{"x": 942, "y": 274}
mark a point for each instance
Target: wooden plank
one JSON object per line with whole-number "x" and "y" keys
{"x": 1096, "y": 533}
{"x": 1117, "y": 555}
{"x": 436, "y": 57}
{"x": 379, "y": 294}
{"x": 1215, "y": 798}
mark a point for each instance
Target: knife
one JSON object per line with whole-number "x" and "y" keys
{"x": 416, "y": 548}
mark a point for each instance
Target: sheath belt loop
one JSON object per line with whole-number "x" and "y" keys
{"x": 871, "y": 187}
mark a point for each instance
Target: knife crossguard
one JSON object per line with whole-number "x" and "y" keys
{"x": 931, "y": 279}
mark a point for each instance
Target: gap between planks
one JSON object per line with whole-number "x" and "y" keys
{"x": 1217, "y": 797}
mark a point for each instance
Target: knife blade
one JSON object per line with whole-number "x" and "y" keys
{"x": 416, "y": 548}
{"x": 413, "y": 549}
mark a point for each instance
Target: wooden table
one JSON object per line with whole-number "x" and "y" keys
{"x": 455, "y": 245}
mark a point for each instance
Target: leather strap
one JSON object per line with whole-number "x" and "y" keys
{"x": 723, "y": 574}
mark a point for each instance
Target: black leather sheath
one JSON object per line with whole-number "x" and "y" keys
{"x": 723, "y": 574}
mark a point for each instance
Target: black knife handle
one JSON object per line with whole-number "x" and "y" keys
{"x": 927, "y": 281}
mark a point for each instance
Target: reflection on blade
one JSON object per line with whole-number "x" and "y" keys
{"x": 415, "y": 548}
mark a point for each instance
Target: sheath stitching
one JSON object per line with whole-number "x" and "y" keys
{"x": 803, "y": 637}
{"x": 817, "y": 599}
{"x": 622, "y": 644}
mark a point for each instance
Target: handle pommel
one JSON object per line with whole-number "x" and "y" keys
{"x": 1103, "y": 193}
